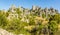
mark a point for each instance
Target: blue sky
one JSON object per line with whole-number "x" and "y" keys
{"x": 5, "y": 4}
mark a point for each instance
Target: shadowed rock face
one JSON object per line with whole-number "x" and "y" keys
{"x": 4, "y": 32}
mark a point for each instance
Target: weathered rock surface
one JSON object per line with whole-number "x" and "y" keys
{"x": 4, "y": 32}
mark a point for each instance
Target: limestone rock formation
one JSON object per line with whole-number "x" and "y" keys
{"x": 4, "y": 32}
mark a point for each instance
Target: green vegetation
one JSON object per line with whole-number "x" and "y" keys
{"x": 30, "y": 21}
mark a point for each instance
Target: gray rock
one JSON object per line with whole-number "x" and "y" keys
{"x": 4, "y": 32}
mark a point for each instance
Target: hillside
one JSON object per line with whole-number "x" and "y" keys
{"x": 34, "y": 21}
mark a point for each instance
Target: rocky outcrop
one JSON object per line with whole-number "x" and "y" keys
{"x": 4, "y": 32}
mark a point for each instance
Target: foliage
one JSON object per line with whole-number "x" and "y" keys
{"x": 34, "y": 26}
